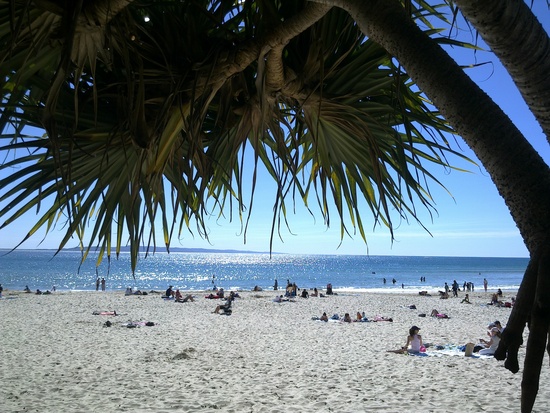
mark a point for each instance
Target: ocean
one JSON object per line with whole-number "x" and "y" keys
{"x": 42, "y": 269}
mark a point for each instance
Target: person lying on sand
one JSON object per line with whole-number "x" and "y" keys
{"x": 437, "y": 314}
{"x": 380, "y": 318}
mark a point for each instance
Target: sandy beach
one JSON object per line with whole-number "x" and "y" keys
{"x": 57, "y": 356}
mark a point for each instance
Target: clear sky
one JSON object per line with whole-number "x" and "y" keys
{"x": 474, "y": 221}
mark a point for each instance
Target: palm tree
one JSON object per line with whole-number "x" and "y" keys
{"x": 148, "y": 118}
{"x": 162, "y": 119}
{"x": 519, "y": 173}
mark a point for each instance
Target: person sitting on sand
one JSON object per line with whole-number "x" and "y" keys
{"x": 347, "y": 318}
{"x": 27, "y": 289}
{"x": 495, "y": 300}
{"x": 304, "y": 294}
{"x": 324, "y": 317}
{"x": 169, "y": 292}
{"x": 315, "y": 293}
{"x": 181, "y": 299}
{"x": 224, "y": 307}
{"x": 491, "y": 345}
{"x": 466, "y": 299}
{"x": 278, "y": 299}
{"x": 329, "y": 289}
{"x": 414, "y": 343}
{"x": 227, "y": 305}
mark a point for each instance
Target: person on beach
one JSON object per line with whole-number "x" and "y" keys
{"x": 485, "y": 284}
{"x": 169, "y": 292}
{"x": 414, "y": 343}
{"x": 347, "y": 318}
{"x": 466, "y": 299}
{"x": 437, "y": 314}
{"x": 227, "y": 305}
{"x": 27, "y": 289}
{"x": 324, "y": 317}
{"x": 103, "y": 284}
{"x": 491, "y": 345}
{"x": 315, "y": 293}
{"x": 1, "y": 290}
{"x": 97, "y": 284}
{"x": 181, "y": 299}
{"x": 381, "y": 318}
{"x": 455, "y": 288}
{"x": 495, "y": 300}
{"x": 329, "y": 289}
{"x": 304, "y": 294}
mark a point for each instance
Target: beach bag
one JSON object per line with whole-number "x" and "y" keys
{"x": 469, "y": 351}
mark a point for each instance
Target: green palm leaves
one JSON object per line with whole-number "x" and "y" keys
{"x": 154, "y": 131}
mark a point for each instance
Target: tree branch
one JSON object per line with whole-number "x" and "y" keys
{"x": 240, "y": 58}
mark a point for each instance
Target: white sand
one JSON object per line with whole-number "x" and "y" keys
{"x": 56, "y": 356}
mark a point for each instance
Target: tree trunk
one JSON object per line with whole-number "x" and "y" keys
{"x": 507, "y": 27}
{"x": 521, "y": 176}
{"x": 493, "y": 137}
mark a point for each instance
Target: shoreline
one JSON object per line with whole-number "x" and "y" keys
{"x": 383, "y": 291}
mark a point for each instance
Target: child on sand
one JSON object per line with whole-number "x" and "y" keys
{"x": 414, "y": 343}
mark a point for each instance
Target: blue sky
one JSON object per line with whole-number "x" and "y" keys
{"x": 474, "y": 221}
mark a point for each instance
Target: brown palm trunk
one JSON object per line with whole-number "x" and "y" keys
{"x": 519, "y": 173}
{"x": 507, "y": 27}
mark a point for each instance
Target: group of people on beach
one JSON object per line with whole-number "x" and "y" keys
{"x": 101, "y": 283}
{"x": 177, "y": 296}
{"x": 360, "y": 317}
{"x": 485, "y": 347}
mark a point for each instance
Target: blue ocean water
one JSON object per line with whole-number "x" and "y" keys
{"x": 200, "y": 271}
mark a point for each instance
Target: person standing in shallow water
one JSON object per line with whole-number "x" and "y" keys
{"x": 103, "y": 284}
{"x": 97, "y": 284}
{"x": 485, "y": 284}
